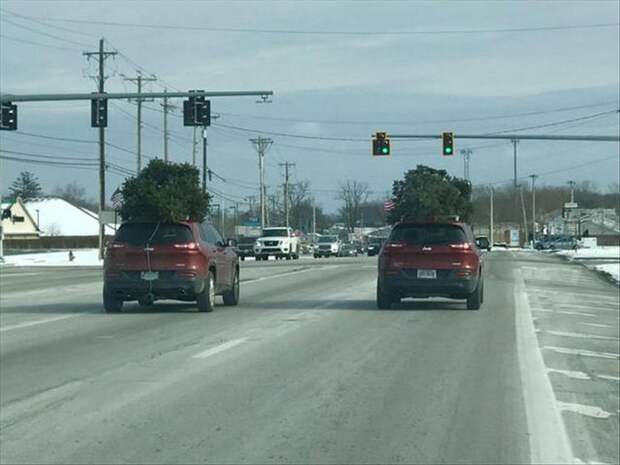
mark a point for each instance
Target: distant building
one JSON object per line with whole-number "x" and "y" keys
{"x": 19, "y": 223}
{"x": 57, "y": 217}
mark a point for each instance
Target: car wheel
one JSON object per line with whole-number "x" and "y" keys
{"x": 474, "y": 300}
{"x": 145, "y": 301}
{"x": 242, "y": 258}
{"x": 384, "y": 299}
{"x": 206, "y": 299}
{"x": 231, "y": 297}
{"x": 111, "y": 303}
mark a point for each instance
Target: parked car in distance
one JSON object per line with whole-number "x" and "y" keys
{"x": 556, "y": 242}
{"x": 430, "y": 259}
{"x": 280, "y": 242}
{"x": 483, "y": 243}
{"x": 374, "y": 245}
{"x": 328, "y": 246}
{"x": 185, "y": 261}
{"x": 245, "y": 247}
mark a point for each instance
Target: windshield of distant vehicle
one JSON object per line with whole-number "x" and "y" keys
{"x": 140, "y": 233}
{"x": 325, "y": 239}
{"x": 275, "y": 232}
{"x": 428, "y": 234}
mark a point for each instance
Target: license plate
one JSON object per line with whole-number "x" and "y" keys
{"x": 149, "y": 275}
{"x": 427, "y": 274}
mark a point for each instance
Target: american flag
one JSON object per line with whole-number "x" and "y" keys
{"x": 388, "y": 205}
{"x": 117, "y": 199}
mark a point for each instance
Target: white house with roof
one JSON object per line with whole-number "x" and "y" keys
{"x": 17, "y": 222}
{"x": 57, "y": 217}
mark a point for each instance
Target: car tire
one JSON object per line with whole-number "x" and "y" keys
{"x": 205, "y": 300}
{"x": 242, "y": 258}
{"x": 145, "y": 302}
{"x": 111, "y": 304}
{"x": 474, "y": 300}
{"x": 384, "y": 299}
{"x": 231, "y": 297}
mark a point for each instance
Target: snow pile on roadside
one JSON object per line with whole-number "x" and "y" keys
{"x": 612, "y": 269}
{"x": 601, "y": 252}
{"x": 83, "y": 257}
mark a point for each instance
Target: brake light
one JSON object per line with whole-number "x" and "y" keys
{"x": 463, "y": 246}
{"x": 187, "y": 246}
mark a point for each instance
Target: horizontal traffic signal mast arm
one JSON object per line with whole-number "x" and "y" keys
{"x": 510, "y": 137}
{"x": 128, "y": 95}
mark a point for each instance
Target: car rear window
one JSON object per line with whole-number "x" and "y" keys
{"x": 426, "y": 234}
{"x": 140, "y": 233}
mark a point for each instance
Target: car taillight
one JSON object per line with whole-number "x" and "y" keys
{"x": 186, "y": 246}
{"x": 463, "y": 246}
{"x": 465, "y": 273}
{"x": 187, "y": 274}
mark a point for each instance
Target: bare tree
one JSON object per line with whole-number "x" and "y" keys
{"x": 353, "y": 193}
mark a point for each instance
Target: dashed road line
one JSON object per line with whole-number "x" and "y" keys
{"x": 595, "y": 325}
{"x": 220, "y": 348}
{"x": 570, "y": 373}
{"x": 581, "y": 335}
{"x": 588, "y": 410}
{"x": 582, "y": 352}
{"x": 39, "y": 322}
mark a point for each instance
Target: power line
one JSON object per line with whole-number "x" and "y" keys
{"x": 38, "y": 44}
{"x": 436, "y": 121}
{"x": 64, "y": 139}
{"x": 558, "y": 123}
{"x": 50, "y": 157}
{"x": 386, "y": 32}
{"x": 284, "y": 134}
{"x": 50, "y": 163}
{"x": 69, "y": 41}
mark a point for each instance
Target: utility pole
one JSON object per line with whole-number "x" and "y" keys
{"x": 271, "y": 212}
{"x": 491, "y": 215}
{"x": 313, "y": 222}
{"x": 514, "y": 152}
{"x": 204, "y": 156}
{"x": 286, "y": 165}
{"x": 194, "y": 144}
{"x": 166, "y": 106}
{"x": 101, "y": 56}
{"x": 572, "y": 191}
{"x": 261, "y": 144}
{"x": 523, "y": 211}
{"x": 533, "y": 176}
{"x": 139, "y": 79}
{"x": 251, "y": 199}
{"x": 466, "y": 154}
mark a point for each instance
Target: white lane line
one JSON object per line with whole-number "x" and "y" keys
{"x": 581, "y": 335}
{"x": 588, "y": 410}
{"x": 582, "y": 352}
{"x": 39, "y": 322}
{"x": 279, "y": 275}
{"x": 547, "y": 435}
{"x": 564, "y": 312}
{"x": 220, "y": 348}
{"x": 609, "y": 377}
{"x": 595, "y": 325}
{"x": 570, "y": 373}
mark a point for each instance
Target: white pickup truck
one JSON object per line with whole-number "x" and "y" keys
{"x": 279, "y": 242}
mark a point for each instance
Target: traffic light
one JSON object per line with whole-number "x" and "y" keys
{"x": 197, "y": 110}
{"x": 448, "y": 143}
{"x": 380, "y": 145}
{"x": 99, "y": 113}
{"x": 8, "y": 117}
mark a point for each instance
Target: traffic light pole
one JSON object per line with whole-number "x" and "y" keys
{"x": 204, "y": 159}
{"x": 101, "y": 57}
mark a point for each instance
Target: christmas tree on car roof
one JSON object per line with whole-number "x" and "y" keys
{"x": 164, "y": 192}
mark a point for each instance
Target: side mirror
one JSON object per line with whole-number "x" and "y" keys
{"x": 231, "y": 243}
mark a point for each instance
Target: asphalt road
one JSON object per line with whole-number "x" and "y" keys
{"x": 306, "y": 370}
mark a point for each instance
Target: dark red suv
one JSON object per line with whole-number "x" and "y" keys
{"x": 430, "y": 259}
{"x": 182, "y": 261}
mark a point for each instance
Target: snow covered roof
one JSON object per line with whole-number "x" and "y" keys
{"x": 57, "y": 217}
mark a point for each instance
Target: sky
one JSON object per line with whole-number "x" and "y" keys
{"x": 340, "y": 71}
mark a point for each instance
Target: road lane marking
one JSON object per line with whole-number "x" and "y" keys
{"x": 220, "y": 348}
{"x": 580, "y": 335}
{"x": 609, "y": 377}
{"x": 588, "y": 410}
{"x": 595, "y": 325}
{"x": 564, "y": 312}
{"x": 570, "y": 373}
{"x": 547, "y": 434}
{"x": 582, "y": 352}
{"x": 39, "y": 322}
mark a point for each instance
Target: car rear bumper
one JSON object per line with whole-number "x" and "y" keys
{"x": 132, "y": 287}
{"x": 406, "y": 286}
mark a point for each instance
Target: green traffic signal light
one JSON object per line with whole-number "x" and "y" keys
{"x": 385, "y": 150}
{"x": 448, "y": 150}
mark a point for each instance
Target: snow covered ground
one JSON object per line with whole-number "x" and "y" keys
{"x": 601, "y": 252}
{"x": 612, "y": 269}
{"x": 84, "y": 257}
